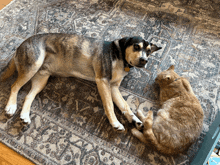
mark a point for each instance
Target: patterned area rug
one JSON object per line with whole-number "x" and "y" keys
{"x": 68, "y": 122}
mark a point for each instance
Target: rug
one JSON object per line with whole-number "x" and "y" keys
{"x": 68, "y": 122}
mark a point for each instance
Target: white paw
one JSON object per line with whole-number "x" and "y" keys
{"x": 118, "y": 126}
{"x": 10, "y": 109}
{"x": 138, "y": 123}
{"x": 132, "y": 118}
{"x": 25, "y": 117}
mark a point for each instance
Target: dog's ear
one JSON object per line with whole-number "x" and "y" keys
{"x": 154, "y": 48}
{"x": 123, "y": 42}
{"x": 171, "y": 67}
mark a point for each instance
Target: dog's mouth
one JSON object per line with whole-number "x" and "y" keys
{"x": 140, "y": 66}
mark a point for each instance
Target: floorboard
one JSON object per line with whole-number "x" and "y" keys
{"x": 10, "y": 157}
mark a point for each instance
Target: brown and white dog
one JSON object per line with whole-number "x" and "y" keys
{"x": 106, "y": 63}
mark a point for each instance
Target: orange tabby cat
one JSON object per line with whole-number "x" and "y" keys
{"x": 179, "y": 121}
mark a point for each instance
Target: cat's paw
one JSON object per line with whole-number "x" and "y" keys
{"x": 134, "y": 131}
{"x": 10, "y": 109}
{"x": 140, "y": 115}
{"x": 138, "y": 135}
{"x": 149, "y": 114}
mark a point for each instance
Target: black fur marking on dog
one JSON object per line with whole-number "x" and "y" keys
{"x": 123, "y": 45}
{"x": 106, "y": 60}
{"x": 116, "y": 53}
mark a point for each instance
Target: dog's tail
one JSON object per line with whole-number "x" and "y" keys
{"x": 8, "y": 71}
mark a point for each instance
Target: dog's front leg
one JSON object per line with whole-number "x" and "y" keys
{"x": 105, "y": 93}
{"x": 123, "y": 105}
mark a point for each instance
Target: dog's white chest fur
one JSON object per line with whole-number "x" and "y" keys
{"x": 118, "y": 71}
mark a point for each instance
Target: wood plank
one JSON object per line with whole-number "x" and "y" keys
{"x": 3, "y": 3}
{"x": 10, "y": 157}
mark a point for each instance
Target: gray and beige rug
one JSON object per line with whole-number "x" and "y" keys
{"x": 68, "y": 122}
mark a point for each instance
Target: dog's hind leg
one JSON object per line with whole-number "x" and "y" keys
{"x": 123, "y": 105}
{"x": 12, "y": 102}
{"x": 39, "y": 81}
{"x": 27, "y": 66}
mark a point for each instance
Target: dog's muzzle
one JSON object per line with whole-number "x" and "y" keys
{"x": 142, "y": 62}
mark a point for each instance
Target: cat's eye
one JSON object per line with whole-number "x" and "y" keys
{"x": 168, "y": 77}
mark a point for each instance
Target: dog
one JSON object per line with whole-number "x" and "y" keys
{"x": 66, "y": 55}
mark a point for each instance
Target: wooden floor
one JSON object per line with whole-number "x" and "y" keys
{"x": 7, "y": 155}
{"x": 3, "y": 3}
{"x": 10, "y": 157}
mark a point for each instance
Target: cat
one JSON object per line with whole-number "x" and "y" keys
{"x": 178, "y": 123}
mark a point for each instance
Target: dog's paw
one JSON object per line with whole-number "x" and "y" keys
{"x": 138, "y": 124}
{"x": 118, "y": 126}
{"x": 25, "y": 118}
{"x": 10, "y": 109}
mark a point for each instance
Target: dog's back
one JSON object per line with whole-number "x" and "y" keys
{"x": 55, "y": 54}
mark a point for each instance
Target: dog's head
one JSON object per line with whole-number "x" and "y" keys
{"x": 137, "y": 50}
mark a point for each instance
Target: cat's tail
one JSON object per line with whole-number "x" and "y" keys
{"x": 8, "y": 71}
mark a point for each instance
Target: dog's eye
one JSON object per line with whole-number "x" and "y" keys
{"x": 136, "y": 47}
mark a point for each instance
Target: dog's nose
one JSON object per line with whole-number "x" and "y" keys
{"x": 143, "y": 61}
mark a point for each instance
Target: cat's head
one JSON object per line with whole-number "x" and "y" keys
{"x": 166, "y": 77}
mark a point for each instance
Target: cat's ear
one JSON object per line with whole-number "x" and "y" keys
{"x": 171, "y": 67}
